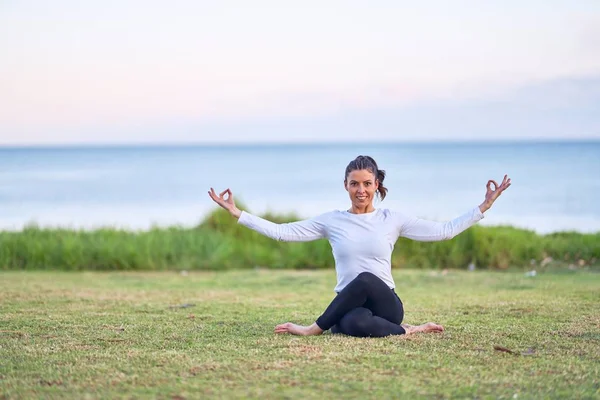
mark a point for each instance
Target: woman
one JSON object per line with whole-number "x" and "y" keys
{"x": 362, "y": 239}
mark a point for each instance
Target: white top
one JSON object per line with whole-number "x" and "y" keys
{"x": 362, "y": 242}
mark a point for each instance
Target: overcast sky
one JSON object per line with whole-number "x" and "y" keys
{"x": 75, "y": 72}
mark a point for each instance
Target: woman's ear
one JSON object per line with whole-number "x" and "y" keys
{"x": 346, "y": 185}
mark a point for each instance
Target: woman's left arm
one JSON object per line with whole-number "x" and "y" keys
{"x": 428, "y": 231}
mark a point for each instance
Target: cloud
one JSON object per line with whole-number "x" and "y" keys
{"x": 560, "y": 108}
{"x": 199, "y": 67}
{"x": 556, "y": 109}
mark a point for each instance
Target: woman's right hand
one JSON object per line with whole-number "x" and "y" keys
{"x": 225, "y": 202}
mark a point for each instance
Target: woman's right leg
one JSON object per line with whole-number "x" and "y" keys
{"x": 379, "y": 310}
{"x": 366, "y": 307}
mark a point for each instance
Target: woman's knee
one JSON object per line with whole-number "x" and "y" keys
{"x": 356, "y": 323}
{"x": 361, "y": 328}
{"x": 366, "y": 278}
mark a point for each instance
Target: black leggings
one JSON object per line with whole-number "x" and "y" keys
{"x": 365, "y": 307}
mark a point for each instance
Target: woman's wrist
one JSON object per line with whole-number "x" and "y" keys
{"x": 483, "y": 207}
{"x": 235, "y": 212}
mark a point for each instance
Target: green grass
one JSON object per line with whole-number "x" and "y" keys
{"x": 115, "y": 335}
{"x": 219, "y": 243}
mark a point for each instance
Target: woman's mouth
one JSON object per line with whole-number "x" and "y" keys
{"x": 361, "y": 197}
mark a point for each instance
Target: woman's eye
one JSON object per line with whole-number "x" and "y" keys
{"x": 368, "y": 183}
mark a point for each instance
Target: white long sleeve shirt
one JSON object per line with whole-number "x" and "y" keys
{"x": 362, "y": 242}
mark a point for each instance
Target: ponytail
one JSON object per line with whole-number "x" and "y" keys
{"x": 382, "y": 190}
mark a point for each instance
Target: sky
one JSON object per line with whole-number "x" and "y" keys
{"x": 129, "y": 72}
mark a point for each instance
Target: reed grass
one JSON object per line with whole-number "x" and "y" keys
{"x": 219, "y": 243}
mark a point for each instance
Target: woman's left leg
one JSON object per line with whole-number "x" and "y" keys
{"x": 365, "y": 307}
{"x": 365, "y": 291}
{"x": 360, "y": 322}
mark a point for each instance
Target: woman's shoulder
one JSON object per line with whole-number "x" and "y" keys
{"x": 391, "y": 213}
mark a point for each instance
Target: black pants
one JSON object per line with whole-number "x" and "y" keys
{"x": 365, "y": 307}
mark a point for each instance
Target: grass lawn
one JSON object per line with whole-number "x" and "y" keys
{"x": 127, "y": 335}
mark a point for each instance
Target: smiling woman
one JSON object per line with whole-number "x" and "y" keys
{"x": 363, "y": 180}
{"x": 362, "y": 240}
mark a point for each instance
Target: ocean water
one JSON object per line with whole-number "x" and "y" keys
{"x": 555, "y": 186}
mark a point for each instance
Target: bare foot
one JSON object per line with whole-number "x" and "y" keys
{"x": 294, "y": 329}
{"x": 425, "y": 328}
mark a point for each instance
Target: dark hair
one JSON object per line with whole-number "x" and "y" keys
{"x": 366, "y": 162}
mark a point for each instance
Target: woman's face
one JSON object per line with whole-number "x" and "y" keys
{"x": 361, "y": 186}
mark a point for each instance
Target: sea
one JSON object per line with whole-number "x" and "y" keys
{"x": 555, "y": 185}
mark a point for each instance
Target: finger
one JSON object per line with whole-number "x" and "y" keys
{"x": 494, "y": 183}
{"x": 223, "y": 192}
{"x": 489, "y": 186}
{"x": 216, "y": 199}
{"x": 214, "y": 194}
{"x": 506, "y": 184}
{"x": 505, "y": 179}
{"x": 501, "y": 189}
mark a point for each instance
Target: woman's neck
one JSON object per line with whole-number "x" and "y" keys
{"x": 361, "y": 210}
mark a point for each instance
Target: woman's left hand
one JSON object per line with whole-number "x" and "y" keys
{"x": 492, "y": 194}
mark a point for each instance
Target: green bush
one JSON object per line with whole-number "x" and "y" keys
{"x": 219, "y": 243}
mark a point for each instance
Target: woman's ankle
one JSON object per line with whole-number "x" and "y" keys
{"x": 314, "y": 329}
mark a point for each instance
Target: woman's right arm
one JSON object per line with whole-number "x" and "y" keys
{"x": 300, "y": 231}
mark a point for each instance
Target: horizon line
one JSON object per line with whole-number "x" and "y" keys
{"x": 198, "y": 144}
